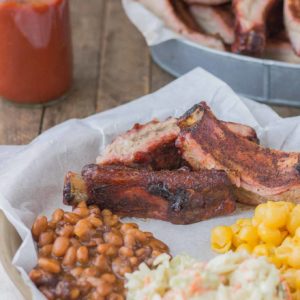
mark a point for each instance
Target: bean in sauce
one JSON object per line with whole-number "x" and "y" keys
{"x": 84, "y": 254}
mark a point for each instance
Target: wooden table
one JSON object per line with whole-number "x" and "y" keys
{"x": 112, "y": 67}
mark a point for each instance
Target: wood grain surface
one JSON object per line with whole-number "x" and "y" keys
{"x": 112, "y": 65}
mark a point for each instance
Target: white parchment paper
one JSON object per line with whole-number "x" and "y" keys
{"x": 151, "y": 26}
{"x": 31, "y": 180}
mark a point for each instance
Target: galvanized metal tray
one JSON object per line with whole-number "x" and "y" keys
{"x": 264, "y": 80}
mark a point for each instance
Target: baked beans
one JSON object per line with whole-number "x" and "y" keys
{"x": 84, "y": 254}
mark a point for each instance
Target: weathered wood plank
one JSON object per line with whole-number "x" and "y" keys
{"x": 87, "y": 25}
{"x": 159, "y": 77}
{"x": 18, "y": 125}
{"x": 285, "y": 111}
{"x": 125, "y": 63}
{"x": 101, "y": 30}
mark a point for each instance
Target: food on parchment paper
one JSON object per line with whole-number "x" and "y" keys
{"x": 217, "y": 159}
{"x": 259, "y": 173}
{"x": 292, "y": 22}
{"x": 180, "y": 196}
{"x": 273, "y": 232}
{"x": 84, "y": 254}
{"x": 176, "y": 16}
{"x": 152, "y": 145}
{"x": 246, "y": 25}
{"x": 231, "y": 276}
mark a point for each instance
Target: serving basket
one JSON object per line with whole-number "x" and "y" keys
{"x": 264, "y": 80}
{"x": 10, "y": 242}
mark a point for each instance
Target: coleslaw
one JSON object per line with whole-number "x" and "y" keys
{"x": 232, "y": 276}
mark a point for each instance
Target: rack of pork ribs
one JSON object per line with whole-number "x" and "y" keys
{"x": 185, "y": 170}
{"x": 252, "y": 27}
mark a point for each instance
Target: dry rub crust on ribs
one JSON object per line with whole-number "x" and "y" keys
{"x": 180, "y": 197}
{"x": 250, "y": 25}
{"x": 215, "y": 20}
{"x": 292, "y": 22}
{"x": 259, "y": 173}
{"x": 152, "y": 145}
{"x": 176, "y": 16}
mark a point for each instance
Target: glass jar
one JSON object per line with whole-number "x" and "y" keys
{"x": 35, "y": 50}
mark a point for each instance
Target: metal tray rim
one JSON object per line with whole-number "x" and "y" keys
{"x": 263, "y": 61}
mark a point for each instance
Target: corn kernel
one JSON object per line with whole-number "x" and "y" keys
{"x": 259, "y": 214}
{"x": 276, "y": 215}
{"x": 283, "y": 252}
{"x": 293, "y": 221}
{"x": 221, "y": 239}
{"x": 274, "y": 260}
{"x": 248, "y": 234}
{"x": 268, "y": 235}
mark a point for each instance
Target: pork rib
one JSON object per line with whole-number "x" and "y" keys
{"x": 180, "y": 197}
{"x": 176, "y": 16}
{"x": 207, "y": 2}
{"x": 152, "y": 145}
{"x": 259, "y": 173}
{"x": 215, "y": 20}
{"x": 292, "y": 22}
{"x": 250, "y": 28}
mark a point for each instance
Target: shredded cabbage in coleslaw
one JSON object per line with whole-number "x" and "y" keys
{"x": 232, "y": 276}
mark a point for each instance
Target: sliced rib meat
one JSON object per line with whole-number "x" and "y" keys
{"x": 152, "y": 145}
{"x": 215, "y": 20}
{"x": 292, "y": 22}
{"x": 180, "y": 197}
{"x": 207, "y": 2}
{"x": 176, "y": 16}
{"x": 259, "y": 173}
{"x": 250, "y": 28}
{"x": 149, "y": 145}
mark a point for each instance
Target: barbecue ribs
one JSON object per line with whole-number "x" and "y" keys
{"x": 215, "y": 20}
{"x": 207, "y": 2}
{"x": 176, "y": 16}
{"x": 250, "y": 26}
{"x": 292, "y": 22}
{"x": 259, "y": 173}
{"x": 180, "y": 197}
{"x": 152, "y": 145}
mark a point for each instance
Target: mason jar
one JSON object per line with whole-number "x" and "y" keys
{"x": 35, "y": 50}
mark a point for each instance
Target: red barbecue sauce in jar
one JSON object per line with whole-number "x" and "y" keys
{"x": 35, "y": 50}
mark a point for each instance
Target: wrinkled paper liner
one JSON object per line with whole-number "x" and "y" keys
{"x": 31, "y": 180}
